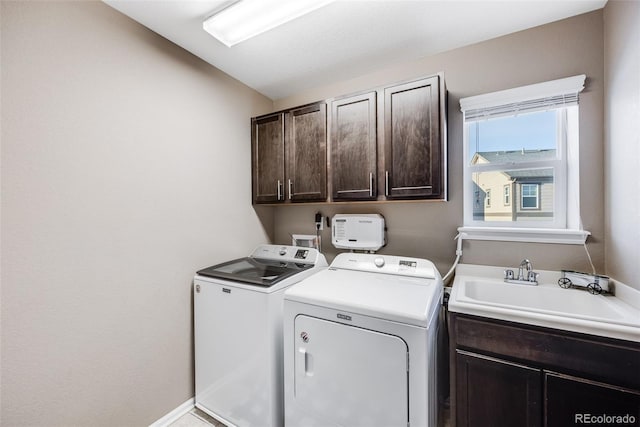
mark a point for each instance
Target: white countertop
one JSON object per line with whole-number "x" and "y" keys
{"x": 481, "y": 291}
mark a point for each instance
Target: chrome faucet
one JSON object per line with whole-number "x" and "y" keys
{"x": 524, "y": 264}
{"x": 526, "y": 275}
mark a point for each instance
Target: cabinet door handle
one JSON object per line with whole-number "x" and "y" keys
{"x": 386, "y": 183}
{"x": 370, "y": 184}
{"x": 278, "y": 190}
{"x": 290, "y": 186}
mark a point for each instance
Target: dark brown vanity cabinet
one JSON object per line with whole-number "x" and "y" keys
{"x": 494, "y": 392}
{"x": 267, "y": 158}
{"x": 510, "y": 374}
{"x": 289, "y": 155}
{"x": 570, "y": 400}
{"x": 414, "y": 150}
{"x": 353, "y": 148}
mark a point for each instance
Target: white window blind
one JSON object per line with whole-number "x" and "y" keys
{"x": 536, "y": 97}
{"x": 522, "y": 107}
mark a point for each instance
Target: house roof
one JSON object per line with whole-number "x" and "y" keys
{"x": 516, "y": 156}
{"x": 519, "y": 156}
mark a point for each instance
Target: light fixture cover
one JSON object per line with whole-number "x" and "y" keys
{"x": 248, "y": 18}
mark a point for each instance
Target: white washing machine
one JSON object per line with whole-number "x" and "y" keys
{"x": 360, "y": 344}
{"x": 238, "y": 333}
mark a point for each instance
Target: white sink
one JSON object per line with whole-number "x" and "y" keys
{"x": 481, "y": 291}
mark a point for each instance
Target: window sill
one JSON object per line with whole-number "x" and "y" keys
{"x": 529, "y": 235}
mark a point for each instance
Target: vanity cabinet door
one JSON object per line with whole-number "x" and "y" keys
{"x": 353, "y": 148}
{"x": 569, "y": 400}
{"x": 306, "y": 147}
{"x": 494, "y": 392}
{"x": 413, "y": 143}
{"x": 267, "y": 158}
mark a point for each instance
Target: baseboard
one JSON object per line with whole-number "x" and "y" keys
{"x": 173, "y": 416}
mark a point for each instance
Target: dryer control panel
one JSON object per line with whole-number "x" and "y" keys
{"x": 387, "y": 264}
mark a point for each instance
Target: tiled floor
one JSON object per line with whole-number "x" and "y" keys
{"x": 197, "y": 418}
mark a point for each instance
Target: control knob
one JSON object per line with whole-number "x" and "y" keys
{"x": 283, "y": 251}
{"x": 379, "y": 262}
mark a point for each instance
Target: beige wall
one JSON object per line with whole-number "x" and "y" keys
{"x": 622, "y": 139}
{"x": 125, "y": 168}
{"x": 565, "y": 48}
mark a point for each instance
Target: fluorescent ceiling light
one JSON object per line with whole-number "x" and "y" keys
{"x": 248, "y": 18}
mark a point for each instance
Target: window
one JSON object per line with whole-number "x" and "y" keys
{"x": 506, "y": 195}
{"x": 529, "y": 196}
{"x": 528, "y": 150}
{"x": 523, "y": 141}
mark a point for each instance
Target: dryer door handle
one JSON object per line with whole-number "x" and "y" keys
{"x": 305, "y": 361}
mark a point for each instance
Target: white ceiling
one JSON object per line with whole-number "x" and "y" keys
{"x": 344, "y": 39}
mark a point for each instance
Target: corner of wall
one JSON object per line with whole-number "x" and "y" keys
{"x": 621, "y": 139}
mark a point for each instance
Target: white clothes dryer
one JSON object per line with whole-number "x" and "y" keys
{"x": 360, "y": 344}
{"x": 238, "y": 333}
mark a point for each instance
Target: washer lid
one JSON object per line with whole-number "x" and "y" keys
{"x": 260, "y": 272}
{"x": 409, "y": 300}
{"x": 268, "y": 265}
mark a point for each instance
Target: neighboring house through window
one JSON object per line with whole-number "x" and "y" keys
{"x": 523, "y": 143}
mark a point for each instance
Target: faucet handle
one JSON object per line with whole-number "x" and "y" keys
{"x": 532, "y": 276}
{"x": 508, "y": 274}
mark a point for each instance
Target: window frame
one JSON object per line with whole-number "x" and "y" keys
{"x": 506, "y": 195}
{"x": 562, "y": 96}
{"x": 537, "y": 196}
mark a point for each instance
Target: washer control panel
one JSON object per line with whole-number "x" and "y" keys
{"x": 287, "y": 253}
{"x": 301, "y": 254}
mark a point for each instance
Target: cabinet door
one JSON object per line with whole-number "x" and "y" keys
{"x": 573, "y": 401}
{"x": 413, "y": 140}
{"x": 353, "y": 148}
{"x": 267, "y": 158}
{"x": 306, "y": 147}
{"x": 494, "y": 392}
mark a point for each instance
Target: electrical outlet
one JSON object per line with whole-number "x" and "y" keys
{"x": 319, "y": 222}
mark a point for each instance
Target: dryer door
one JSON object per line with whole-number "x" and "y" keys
{"x": 349, "y": 376}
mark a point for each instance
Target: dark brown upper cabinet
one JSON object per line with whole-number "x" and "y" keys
{"x": 289, "y": 155}
{"x": 306, "y": 149}
{"x": 267, "y": 158}
{"x": 290, "y": 148}
{"x": 353, "y": 148}
{"x": 414, "y": 145}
